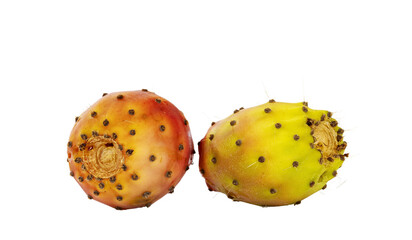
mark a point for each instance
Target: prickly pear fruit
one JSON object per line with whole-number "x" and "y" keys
{"x": 129, "y": 149}
{"x": 273, "y": 154}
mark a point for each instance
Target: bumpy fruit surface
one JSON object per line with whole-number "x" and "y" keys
{"x": 129, "y": 149}
{"x": 273, "y": 154}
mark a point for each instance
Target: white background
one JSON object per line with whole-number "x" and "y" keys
{"x": 209, "y": 58}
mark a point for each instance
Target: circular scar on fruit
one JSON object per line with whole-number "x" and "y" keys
{"x": 102, "y": 157}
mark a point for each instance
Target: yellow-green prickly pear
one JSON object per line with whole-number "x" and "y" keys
{"x": 272, "y": 154}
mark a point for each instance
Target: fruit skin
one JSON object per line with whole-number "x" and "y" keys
{"x": 273, "y": 154}
{"x": 129, "y": 149}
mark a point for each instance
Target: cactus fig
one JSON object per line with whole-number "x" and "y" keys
{"x": 272, "y": 154}
{"x": 129, "y": 149}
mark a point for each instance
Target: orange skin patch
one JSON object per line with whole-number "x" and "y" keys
{"x": 143, "y": 125}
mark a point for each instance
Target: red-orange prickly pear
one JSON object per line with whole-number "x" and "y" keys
{"x": 129, "y": 149}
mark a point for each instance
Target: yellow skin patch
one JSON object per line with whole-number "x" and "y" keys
{"x": 267, "y": 155}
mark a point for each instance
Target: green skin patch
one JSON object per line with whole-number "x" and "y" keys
{"x": 273, "y": 154}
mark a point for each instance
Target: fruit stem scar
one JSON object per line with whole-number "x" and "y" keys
{"x": 325, "y": 139}
{"x": 102, "y": 159}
